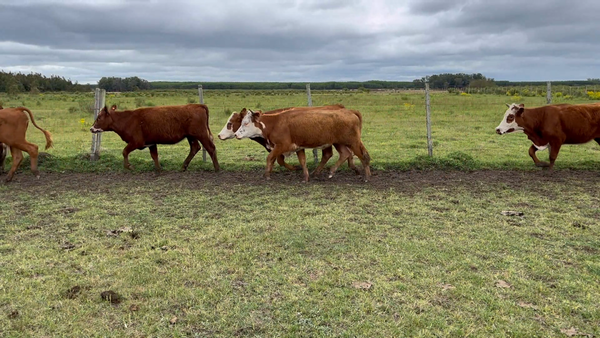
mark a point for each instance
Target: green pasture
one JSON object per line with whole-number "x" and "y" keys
{"x": 394, "y": 130}
{"x": 413, "y": 253}
{"x": 199, "y": 254}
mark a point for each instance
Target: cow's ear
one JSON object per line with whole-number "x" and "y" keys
{"x": 243, "y": 111}
{"x": 521, "y": 106}
{"x": 113, "y": 108}
{"x": 520, "y": 111}
{"x": 105, "y": 110}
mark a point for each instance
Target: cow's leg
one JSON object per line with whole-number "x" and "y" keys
{"x": 209, "y": 146}
{"x": 271, "y": 160}
{"x": 327, "y": 154}
{"x": 532, "y": 150}
{"x": 343, "y": 157}
{"x": 358, "y": 148}
{"x": 302, "y": 158}
{"x": 281, "y": 162}
{"x": 194, "y": 148}
{"x": 154, "y": 154}
{"x": 341, "y": 148}
{"x": 17, "y": 156}
{"x": 32, "y": 150}
{"x": 128, "y": 148}
{"x": 554, "y": 149}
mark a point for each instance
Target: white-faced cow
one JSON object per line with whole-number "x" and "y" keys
{"x": 294, "y": 131}
{"x": 552, "y": 126}
{"x": 235, "y": 121}
{"x": 13, "y": 128}
{"x": 148, "y": 127}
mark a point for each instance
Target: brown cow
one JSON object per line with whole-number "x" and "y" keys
{"x": 235, "y": 121}
{"x": 147, "y": 127}
{"x": 552, "y": 126}
{"x": 293, "y": 131}
{"x": 3, "y": 151}
{"x": 13, "y": 128}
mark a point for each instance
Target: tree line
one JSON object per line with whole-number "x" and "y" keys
{"x": 14, "y": 83}
{"x": 34, "y": 82}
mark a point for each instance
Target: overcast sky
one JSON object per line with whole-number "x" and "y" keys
{"x": 301, "y": 40}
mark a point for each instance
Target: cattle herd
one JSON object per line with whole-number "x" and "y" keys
{"x": 286, "y": 131}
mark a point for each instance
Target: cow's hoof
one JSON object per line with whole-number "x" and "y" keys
{"x": 542, "y": 164}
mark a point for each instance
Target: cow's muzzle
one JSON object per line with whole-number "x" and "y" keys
{"x": 96, "y": 130}
{"x": 500, "y": 132}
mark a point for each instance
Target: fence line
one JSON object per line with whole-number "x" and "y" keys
{"x": 428, "y": 118}
{"x": 315, "y": 152}
{"x": 99, "y": 101}
{"x": 201, "y": 97}
{"x": 407, "y": 107}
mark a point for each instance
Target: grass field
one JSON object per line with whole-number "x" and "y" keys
{"x": 413, "y": 253}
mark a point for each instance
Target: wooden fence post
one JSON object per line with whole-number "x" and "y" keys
{"x": 428, "y": 109}
{"x": 315, "y": 153}
{"x": 549, "y": 93}
{"x": 201, "y": 96}
{"x": 99, "y": 102}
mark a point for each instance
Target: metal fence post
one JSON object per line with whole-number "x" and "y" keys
{"x": 315, "y": 153}
{"x": 428, "y": 109}
{"x": 201, "y": 97}
{"x": 99, "y": 102}
{"x": 549, "y": 93}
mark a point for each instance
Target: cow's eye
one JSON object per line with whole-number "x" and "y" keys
{"x": 510, "y": 118}
{"x": 229, "y": 125}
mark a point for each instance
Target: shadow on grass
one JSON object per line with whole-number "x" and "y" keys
{"x": 457, "y": 160}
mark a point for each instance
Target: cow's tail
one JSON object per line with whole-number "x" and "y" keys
{"x": 46, "y": 133}
{"x": 359, "y": 115}
{"x": 208, "y": 124}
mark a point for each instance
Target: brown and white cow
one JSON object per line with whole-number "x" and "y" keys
{"x": 294, "y": 131}
{"x": 552, "y": 126}
{"x": 148, "y": 127}
{"x": 235, "y": 121}
{"x": 13, "y": 128}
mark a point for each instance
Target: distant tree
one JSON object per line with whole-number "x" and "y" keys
{"x": 129, "y": 84}
{"x": 35, "y": 82}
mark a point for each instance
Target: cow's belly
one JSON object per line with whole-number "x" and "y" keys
{"x": 295, "y": 148}
{"x": 162, "y": 140}
{"x": 579, "y": 139}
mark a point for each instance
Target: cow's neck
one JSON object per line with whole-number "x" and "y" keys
{"x": 122, "y": 121}
{"x": 265, "y": 123}
{"x": 530, "y": 121}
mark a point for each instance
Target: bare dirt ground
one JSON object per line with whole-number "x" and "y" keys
{"x": 401, "y": 181}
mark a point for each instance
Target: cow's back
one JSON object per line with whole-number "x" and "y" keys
{"x": 170, "y": 124}
{"x": 579, "y": 123}
{"x": 317, "y": 128}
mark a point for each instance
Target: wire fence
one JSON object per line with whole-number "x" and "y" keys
{"x": 395, "y": 124}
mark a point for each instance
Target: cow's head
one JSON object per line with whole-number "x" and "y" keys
{"x": 233, "y": 124}
{"x": 104, "y": 120}
{"x": 509, "y": 122}
{"x": 250, "y": 126}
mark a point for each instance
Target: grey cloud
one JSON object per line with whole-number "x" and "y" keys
{"x": 295, "y": 40}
